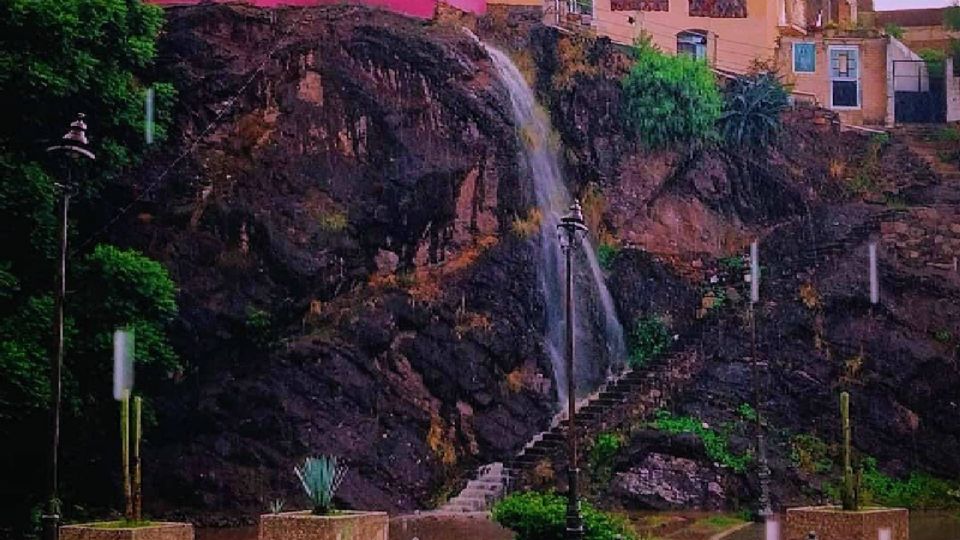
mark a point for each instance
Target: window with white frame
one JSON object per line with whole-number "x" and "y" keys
{"x": 844, "y": 77}
{"x": 693, "y": 43}
{"x": 804, "y": 58}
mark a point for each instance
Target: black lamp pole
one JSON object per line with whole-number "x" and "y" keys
{"x": 570, "y": 230}
{"x": 74, "y": 146}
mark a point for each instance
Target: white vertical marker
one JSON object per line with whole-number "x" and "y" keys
{"x": 755, "y": 272}
{"x": 148, "y": 116}
{"x": 874, "y": 277}
{"x": 123, "y": 350}
{"x": 884, "y": 534}
{"x": 772, "y": 529}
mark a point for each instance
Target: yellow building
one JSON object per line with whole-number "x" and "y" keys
{"x": 830, "y": 52}
{"x": 729, "y": 34}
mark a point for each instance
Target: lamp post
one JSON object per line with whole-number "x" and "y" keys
{"x": 764, "y": 510}
{"x": 570, "y": 230}
{"x": 74, "y": 146}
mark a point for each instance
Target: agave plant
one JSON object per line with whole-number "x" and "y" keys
{"x": 321, "y": 478}
{"x": 276, "y": 506}
{"x": 751, "y": 112}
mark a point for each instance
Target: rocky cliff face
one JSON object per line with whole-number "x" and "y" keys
{"x": 349, "y": 280}
{"x": 684, "y": 220}
{"x": 355, "y": 278}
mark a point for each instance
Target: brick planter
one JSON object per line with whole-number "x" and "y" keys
{"x": 340, "y": 526}
{"x": 154, "y": 531}
{"x": 832, "y": 523}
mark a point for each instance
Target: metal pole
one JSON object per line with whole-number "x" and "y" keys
{"x": 75, "y": 145}
{"x": 763, "y": 472}
{"x": 574, "y": 521}
{"x": 51, "y": 520}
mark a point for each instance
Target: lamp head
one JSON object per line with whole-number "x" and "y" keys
{"x": 572, "y": 226}
{"x": 75, "y": 143}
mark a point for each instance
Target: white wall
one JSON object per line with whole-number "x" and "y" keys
{"x": 953, "y": 92}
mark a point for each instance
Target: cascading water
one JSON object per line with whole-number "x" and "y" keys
{"x": 598, "y": 334}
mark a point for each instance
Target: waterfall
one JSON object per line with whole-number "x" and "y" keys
{"x": 597, "y": 332}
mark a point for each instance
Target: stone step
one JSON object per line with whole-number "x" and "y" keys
{"x": 536, "y": 451}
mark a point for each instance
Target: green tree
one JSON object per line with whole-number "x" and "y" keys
{"x": 59, "y": 58}
{"x": 670, "y": 99}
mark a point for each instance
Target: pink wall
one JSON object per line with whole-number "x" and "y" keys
{"x": 423, "y": 9}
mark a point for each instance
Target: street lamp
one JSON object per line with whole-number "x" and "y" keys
{"x": 74, "y": 146}
{"x": 570, "y": 230}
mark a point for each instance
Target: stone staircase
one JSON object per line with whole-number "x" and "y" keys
{"x": 923, "y": 140}
{"x": 491, "y": 484}
{"x": 634, "y": 394}
{"x": 629, "y": 395}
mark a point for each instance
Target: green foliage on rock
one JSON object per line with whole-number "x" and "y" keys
{"x": 716, "y": 444}
{"x": 541, "y": 516}
{"x": 648, "y": 340}
{"x": 751, "y": 110}
{"x": 605, "y": 448}
{"x": 259, "y": 326}
{"x": 810, "y": 454}
{"x": 747, "y": 412}
{"x": 606, "y": 254}
{"x": 917, "y": 491}
{"x": 670, "y": 99}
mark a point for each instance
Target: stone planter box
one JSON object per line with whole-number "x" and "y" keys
{"x": 341, "y": 526}
{"x": 832, "y": 523}
{"x": 154, "y": 531}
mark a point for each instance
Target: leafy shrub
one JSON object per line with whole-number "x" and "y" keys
{"x": 670, "y": 99}
{"x": 732, "y": 264}
{"x": 321, "y": 478}
{"x": 541, "y": 516}
{"x": 747, "y": 412}
{"x": 605, "y": 448}
{"x": 951, "y": 18}
{"x": 606, "y": 254}
{"x": 947, "y": 134}
{"x": 935, "y": 59}
{"x": 943, "y": 335}
{"x": 648, "y": 339}
{"x": 258, "y": 326}
{"x": 715, "y": 443}
{"x": 810, "y": 454}
{"x": 893, "y": 30}
{"x": 751, "y": 110}
{"x": 917, "y": 491}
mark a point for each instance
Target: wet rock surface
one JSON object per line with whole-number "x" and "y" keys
{"x": 683, "y": 220}
{"x": 349, "y": 281}
{"x": 666, "y": 482}
{"x": 352, "y": 283}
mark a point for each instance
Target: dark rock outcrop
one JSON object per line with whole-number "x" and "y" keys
{"x": 349, "y": 280}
